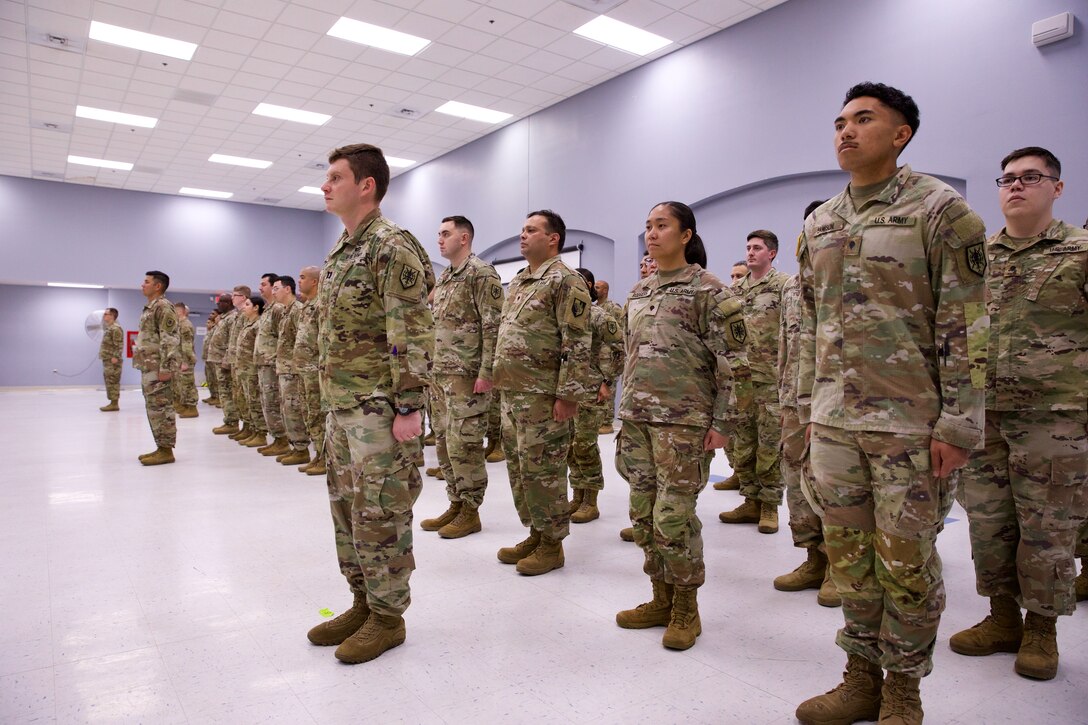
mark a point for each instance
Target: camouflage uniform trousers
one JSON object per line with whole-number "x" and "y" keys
{"x": 1026, "y": 497}
{"x": 159, "y": 402}
{"x": 460, "y": 422}
{"x": 111, "y": 372}
{"x": 373, "y": 485}
{"x": 185, "y": 389}
{"x": 250, "y": 408}
{"x": 1082, "y": 544}
{"x": 536, "y": 460}
{"x": 667, "y": 468}
{"x": 211, "y": 377}
{"x": 883, "y": 510}
{"x": 269, "y": 400}
{"x": 494, "y": 418}
{"x": 755, "y": 447}
{"x": 315, "y": 419}
{"x": 805, "y": 524}
{"x": 584, "y": 457}
{"x": 227, "y": 396}
{"x": 294, "y": 413}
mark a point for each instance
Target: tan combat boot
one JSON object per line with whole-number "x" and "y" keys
{"x": 295, "y": 457}
{"x": 1080, "y": 584}
{"x": 576, "y": 501}
{"x": 684, "y": 622}
{"x": 588, "y": 510}
{"x": 225, "y": 429}
{"x": 436, "y": 472}
{"x": 517, "y": 552}
{"x": 768, "y": 518}
{"x": 1038, "y": 655}
{"x": 380, "y": 633}
{"x": 188, "y": 412}
{"x": 429, "y": 439}
{"x": 828, "y": 596}
{"x": 317, "y": 468}
{"x": 466, "y": 522}
{"x": 810, "y": 575}
{"x": 159, "y": 457}
{"x": 1001, "y": 631}
{"x": 110, "y": 407}
{"x": 628, "y": 534}
{"x": 258, "y": 441}
{"x": 278, "y": 447}
{"x": 730, "y": 484}
{"x": 856, "y": 698}
{"x": 442, "y": 519}
{"x": 900, "y": 701}
{"x": 655, "y": 613}
{"x": 496, "y": 456}
{"x": 492, "y": 444}
{"x": 605, "y": 430}
{"x": 238, "y": 433}
{"x": 747, "y": 513}
{"x": 548, "y": 555}
{"x": 336, "y": 630}
{"x": 212, "y": 400}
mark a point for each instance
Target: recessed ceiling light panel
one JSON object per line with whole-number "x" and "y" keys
{"x": 103, "y": 163}
{"x": 158, "y": 44}
{"x": 239, "y": 161}
{"x": 77, "y": 285}
{"x": 376, "y": 36}
{"x": 616, "y": 34}
{"x": 291, "y": 114}
{"x": 398, "y": 163}
{"x": 473, "y": 113}
{"x": 189, "y": 191}
{"x": 127, "y": 119}
{"x": 312, "y": 190}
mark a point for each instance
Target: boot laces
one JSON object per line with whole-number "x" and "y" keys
{"x": 900, "y": 698}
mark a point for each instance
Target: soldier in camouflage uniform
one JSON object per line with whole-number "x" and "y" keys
{"x": 219, "y": 356}
{"x": 210, "y": 371}
{"x": 1026, "y": 490}
{"x": 185, "y": 396}
{"x": 291, "y": 392}
{"x": 306, "y": 362}
{"x": 245, "y": 368}
{"x": 467, "y": 306}
{"x": 890, "y": 378}
{"x": 157, "y": 358}
{"x": 755, "y": 447}
{"x": 605, "y": 363}
{"x": 375, "y": 341}
{"x": 268, "y": 329}
{"x": 616, "y": 313}
{"x": 685, "y": 379}
{"x": 542, "y": 368}
{"x": 238, "y": 388}
{"x": 111, "y": 352}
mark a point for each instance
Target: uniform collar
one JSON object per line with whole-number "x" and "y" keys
{"x": 844, "y": 206}
{"x": 747, "y": 282}
{"x": 455, "y": 271}
{"x": 1056, "y": 231}
{"x": 544, "y": 267}
{"x": 362, "y": 227}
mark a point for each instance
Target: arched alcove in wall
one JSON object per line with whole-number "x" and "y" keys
{"x": 596, "y": 252}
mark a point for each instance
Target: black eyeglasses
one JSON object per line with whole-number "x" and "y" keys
{"x": 1025, "y": 179}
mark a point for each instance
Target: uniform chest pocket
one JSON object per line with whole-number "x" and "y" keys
{"x": 528, "y": 303}
{"x": 445, "y": 297}
{"x": 356, "y": 290}
{"x": 1059, "y": 285}
{"x": 891, "y": 240}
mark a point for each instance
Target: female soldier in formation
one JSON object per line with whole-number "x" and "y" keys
{"x": 247, "y": 371}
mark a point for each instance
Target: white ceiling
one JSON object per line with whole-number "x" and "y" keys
{"x": 517, "y": 56}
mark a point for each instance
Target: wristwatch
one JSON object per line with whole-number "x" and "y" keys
{"x": 405, "y": 410}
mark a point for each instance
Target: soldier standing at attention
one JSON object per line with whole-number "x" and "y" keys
{"x": 185, "y": 396}
{"x": 376, "y": 342}
{"x": 467, "y": 307}
{"x": 252, "y": 425}
{"x": 269, "y": 404}
{"x": 157, "y": 358}
{"x": 111, "y": 352}
{"x": 616, "y": 313}
{"x": 245, "y": 368}
{"x": 305, "y": 355}
{"x": 219, "y": 355}
{"x": 1026, "y": 490}
{"x": 210, "y": 370}
{"x": 294, "y": 416}
{"x": 684, "y": 372}
{"x": 738, "y": 272}
{"x": 893, "y": 321}
{"x": 541, "y": 367}
{"x": 755, "y": 448}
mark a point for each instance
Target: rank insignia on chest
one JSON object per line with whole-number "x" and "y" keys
{"x": 739, "y": 330}
{"x": 976, "y": 258}
{"x": 408, "y": 277}
{"x": 578, "y": 308}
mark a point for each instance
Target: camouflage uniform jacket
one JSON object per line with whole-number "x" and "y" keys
{"x": 286, "y": 338}
{"x": 686, "y": 363}
{"x": 789, "y": 342}
{"x": 544, "y": 337}
{"x": 606, "y": 347}
{"x": 467, "y": 310}
{"x": 375, "y": 331}
{"x": 157, "y": 343}
{"x": 305, "y": 352}
{"x": 762, "y": 302}
{"x": 245, "y": 343}
{"x": 268, "y": 332}
{"x": 188, "y": 341}
{"x": 219, "y": 347}
{"x": 207, "y": 344}
{"x": 232, "y": 342}
{"x": 113, "y": 343}
{"x": 1037, "y": 296}
{"x": 893, "y": 331}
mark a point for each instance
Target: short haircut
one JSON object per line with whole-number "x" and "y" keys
{"x": 182, "y": 305}
{"x": 271, "y": 277}
{"x": 160, "y": 277}
{"x": 741, "y": 263}
{"x": 893, "y": 98}
{"x": 258, "y": 302}
{"x": 555, "y": 224}
{"x": 813, "y": 206}
{"x": 243, "y": 289}
{"x": 462, "y": 223}
{"x": 112, "y": 311}
{"x": 1050, "y": 159}
{"x": 365, "y": 160}
{"x": 287, "y": 281}
{"x": 769, "y": 238}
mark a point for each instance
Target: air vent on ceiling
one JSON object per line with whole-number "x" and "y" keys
{"x": 319, "y": 165}
{"x": 56, "y": 41}
{"x": 56, "y": 175}
{"x": 595, "y": 6}
{"x": 200, "y": 99}
{"x": 404, "y": 112}
{"x": 140, "y": 169}
{"x": 267, "y": 200}
{"x": 51, "y": 126}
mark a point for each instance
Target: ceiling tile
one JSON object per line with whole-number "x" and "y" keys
{"x": 716, "y": 12}
{"x": 563, "y": 16}
{"x": 452, "y": 10}
{"x": 243, "y": 25}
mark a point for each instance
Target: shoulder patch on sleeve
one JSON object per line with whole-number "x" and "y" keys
{"x": 578, "y": 304}
{"x": 406, "y": 277}
{"x": 493, "y": 293}
{"x": 967, "y": 227}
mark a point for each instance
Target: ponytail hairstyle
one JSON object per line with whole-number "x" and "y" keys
{"x": 694, "y": 251}
{"x": 258, "y": 302}
{"x": 590, "y": 281}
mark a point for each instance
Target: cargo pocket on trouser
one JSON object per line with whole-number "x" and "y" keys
{"x": 808, "y": 483}
{"x": 383, "y": 515}
{"x": 1067, "y": 495}
{"x": 926, "y": 500}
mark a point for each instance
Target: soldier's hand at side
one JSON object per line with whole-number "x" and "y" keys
{"x": 407, "y": 427}
{"x": 114, "y": 360}
{"x": 713, "y": 440}
{"x": 563, "y": 410}
{"x": 184, "y": 367}
{"x": 602, "y": 393}
{"x": 482, "y": 386}
{"x": 163, "y": 377}
{"x": 944, "y": 458}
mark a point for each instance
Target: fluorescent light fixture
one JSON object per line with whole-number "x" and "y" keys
{"x": 473, "y": 113}
{"x": 399, "y": 163}
{"x": 85, "y": 161}
{"x": 205, "y": 192}
{"x": 291, "y": 114}
{"x": 128, "y": 119}
{"x": 74, "y": 284}
{"x": 312, "y": 190}
{"x": 626, "y": 37}
{"x": 158, "y": 44}
{"x": 239, "y": 161}
{"x": 377, "y": 37}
